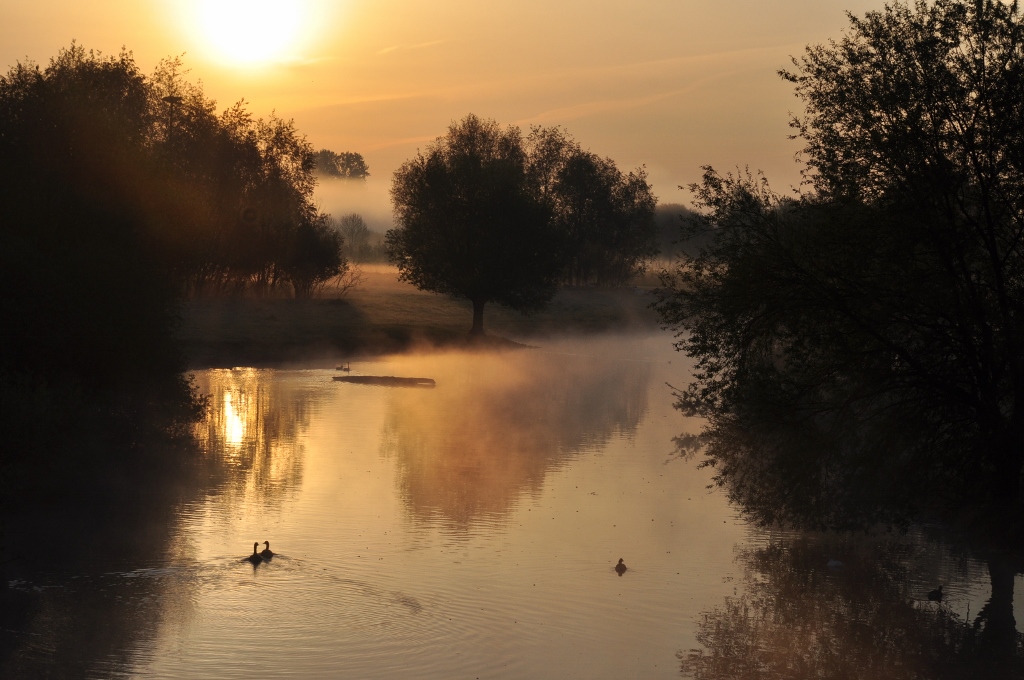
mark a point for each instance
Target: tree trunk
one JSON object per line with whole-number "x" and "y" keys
{"x": 478, "y": 317}
{"x": 1009, "y": 461}
{"x": 999, "y": 635}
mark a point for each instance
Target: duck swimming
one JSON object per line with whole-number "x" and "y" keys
{"x": 255, "y": 557}
{"x": 267, "y": 553}
{"x": 620, "y": 568}
{"x": 935, "y": 595}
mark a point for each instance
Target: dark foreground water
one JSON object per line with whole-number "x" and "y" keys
{"x": 471, "y": 530}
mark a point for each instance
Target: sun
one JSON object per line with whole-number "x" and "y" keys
{"x": 251, "y": 32}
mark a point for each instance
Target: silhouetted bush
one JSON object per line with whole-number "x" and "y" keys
{"x": 315, "y": 258}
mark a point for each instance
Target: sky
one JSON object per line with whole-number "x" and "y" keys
{"x": 671, "y": 85}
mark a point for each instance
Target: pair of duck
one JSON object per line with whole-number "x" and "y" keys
{"x": 265, "y": 554}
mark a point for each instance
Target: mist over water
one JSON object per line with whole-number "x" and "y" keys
{"x": 468, "y": 530}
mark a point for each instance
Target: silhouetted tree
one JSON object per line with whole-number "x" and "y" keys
{"x": 282, "y": 201}
{"x": 78, "y": 248}
{"x": 859, "y": 348}
{"x": 472, "y": 222}
{"x": 606, "y": 218}
{"x": 344, "y": 165}
{"x": 90, "y": 304}
{"x": 247, "y": 184}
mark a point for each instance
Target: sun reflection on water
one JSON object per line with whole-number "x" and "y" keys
{"x": 256, "y": 427}
{"x": 234, "y": 425}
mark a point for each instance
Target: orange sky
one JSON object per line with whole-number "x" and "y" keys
{"x": 670, "y": 84}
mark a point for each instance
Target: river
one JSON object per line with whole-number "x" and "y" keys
{"x": 471, "y": 531}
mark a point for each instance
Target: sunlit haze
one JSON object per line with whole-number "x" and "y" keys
{"x": 669, "y": 85}
{"x": 457, "y": 339}
{"x": 250, "y": 32}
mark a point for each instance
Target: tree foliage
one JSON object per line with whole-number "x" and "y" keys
{"x": 487, "y": 215}
{"x": 472, "y": 223}
{"x": 344, "y": 165}
{"x": 121, "y": 194}
{"x": 315, "y": 257}
{"x": 78, "y": 252}
{"x": 605, "y": 217}
{"x": 858, "y": 346}
{"x": 361, "y": 244}
{"x": 249, "y": 186}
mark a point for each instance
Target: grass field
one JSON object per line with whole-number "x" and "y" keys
{"x": 383, "y": 315}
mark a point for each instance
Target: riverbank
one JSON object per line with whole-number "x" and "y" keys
{"x": 383, "y": 316}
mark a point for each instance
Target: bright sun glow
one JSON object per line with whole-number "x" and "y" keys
{"x": 251, "y": 32}
{"x": 234, "y": 423}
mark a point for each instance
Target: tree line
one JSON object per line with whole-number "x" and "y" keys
{"x": 247, "y": 185}
{"x": 122, "y": 194}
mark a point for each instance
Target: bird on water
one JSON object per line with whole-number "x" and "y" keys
{"x": 267, "y": 553}
{"x": 255, "y": 557}
{"x": 935, "y": 595}
{"x": 620, "y": 568}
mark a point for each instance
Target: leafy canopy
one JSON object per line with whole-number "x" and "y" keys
{"x": 487, "y": 215}
{"x": 472, "y": 221}
{"x": 122, "y": 193}
{"x": 859, "y": 346}
{"x": 344, "y": 165}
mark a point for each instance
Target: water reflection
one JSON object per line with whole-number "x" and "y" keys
{"x": 804, "y": 613}
{"x": 497, "y": 424}
{"x": 86, "y": 584}
{"x": 255, "y": 428}
{"x": 74, "y": 596}
{"x": 549, "y": 466}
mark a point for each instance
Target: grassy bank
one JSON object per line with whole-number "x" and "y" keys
{"x": 381, "y": 316}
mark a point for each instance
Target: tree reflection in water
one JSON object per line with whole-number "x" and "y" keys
{"x": 799, "y": 619}
{"x": 80, "y": 588}
{"x": 498, "y": 423}
{"x": 254, "y": 429}
{"x": 86, "y": 584}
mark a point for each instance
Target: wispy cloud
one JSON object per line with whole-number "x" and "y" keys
{"x": 418, "y": 46}
{"x": 662, "y": 79}
{"x": 595, "y": 107}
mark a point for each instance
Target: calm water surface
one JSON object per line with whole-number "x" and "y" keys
{"x": 465, "y": 531}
